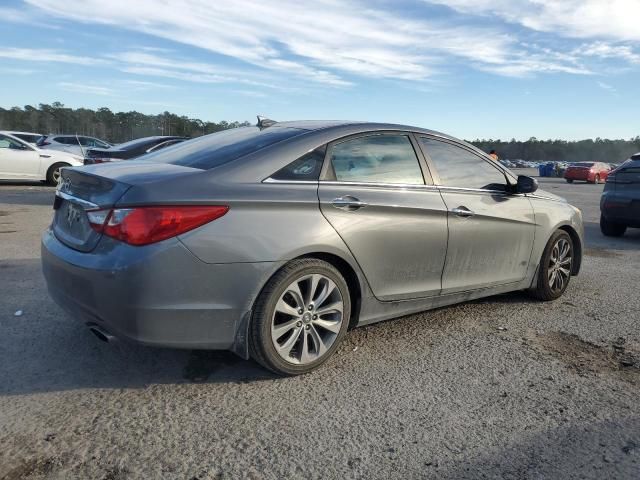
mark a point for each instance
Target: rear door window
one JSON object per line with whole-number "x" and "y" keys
{"x": 377, "y": 158}
{"x": 461, "y": 168}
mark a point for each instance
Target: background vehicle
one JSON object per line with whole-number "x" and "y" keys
{"x": 21, "y": 161}
{"x": 272, "y": 241}
{"x": 132, "y": 149}
{"x": 28, "y": 137}
{"x": 590, "y": 172}
{"x": 620, "y": 201}
{"x": 76, "y": 144}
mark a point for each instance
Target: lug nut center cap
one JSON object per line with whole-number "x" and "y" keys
{"x": 306, "y": 318}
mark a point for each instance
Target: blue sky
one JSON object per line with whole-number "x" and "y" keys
{"x": 471, "y": 68}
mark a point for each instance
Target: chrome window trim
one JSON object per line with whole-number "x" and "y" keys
{"x": 476, "y": 190}
{"x": 83, "y": 203}
{"x": 273, "y": 180}
{"x": 416, "y": 186}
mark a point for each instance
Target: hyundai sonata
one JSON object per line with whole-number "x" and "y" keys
{"x": 272, "y": 241}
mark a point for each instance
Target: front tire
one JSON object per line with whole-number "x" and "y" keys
{"x": 569, "y": 180}
{"x": 554, "y": 271}
{"x": 611, "y": 229}
{"x": 53, "y": 174}
{"x": 300, "y": 317}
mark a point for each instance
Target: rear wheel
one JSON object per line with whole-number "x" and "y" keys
{"x": 555, "y": 267}
{"x": 53, "y": 174}
{"x": 596, "y": 179}
{"x": 569, "y": 180}
{"x": 611, "y": 229}
{"x": 300, "y": 317}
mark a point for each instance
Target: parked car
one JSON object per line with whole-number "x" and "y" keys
{"x": 28, "y": 137}
{"x": 590, "y": 172}
{"x": 620, "y": 201}
{"x": 20, "y": 160}
{"x": 132, "y": 149}
{"x": 76, "y": 144}
{"x": 273, "y": 241}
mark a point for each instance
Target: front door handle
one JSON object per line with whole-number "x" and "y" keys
{"x": 348, "y": 202}
{"x": 462, "y": 212}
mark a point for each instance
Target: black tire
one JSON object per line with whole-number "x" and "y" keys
{"x": 596, "y": 180}
{"x": 543, "y": 290}
{"x": 611, "y": 229}
{"x": 569, "y": 180}
{"x": 53, "y": 173}
{"x": 261, "y": 346}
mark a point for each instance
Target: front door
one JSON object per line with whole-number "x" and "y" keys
{"x": 375, "y": 196}
{"x": 491, "y": 230}
{"x": 17, "y": 159}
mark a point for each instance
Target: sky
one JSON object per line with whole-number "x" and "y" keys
{"x": 503, "y": 69}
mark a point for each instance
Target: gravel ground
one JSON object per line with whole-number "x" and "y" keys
{"x": 504, "y": 387}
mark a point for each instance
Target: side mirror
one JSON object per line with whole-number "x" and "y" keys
{"x": 526, "y": 184}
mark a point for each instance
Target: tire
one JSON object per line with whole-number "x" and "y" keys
{"x": 549, "y": 287}
{"x": 611, "y": 229}
{"x": 569, "y": 180}
{"x": 53, "y": 174}
{"x": 596, "y": 180}
{"x": 307, "y": 337}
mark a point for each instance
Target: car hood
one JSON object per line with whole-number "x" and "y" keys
{"x": 549, "y": 196}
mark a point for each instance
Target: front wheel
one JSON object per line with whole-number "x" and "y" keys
{"x": 300, "y": 317}
{"x": 53, "y": 174}
{"x": 555, "y": 267}
{"x": 611, "y": 229}
{"x": 569, "y": 180}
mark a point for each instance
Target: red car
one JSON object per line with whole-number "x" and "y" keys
{"x": 590, "y": 172}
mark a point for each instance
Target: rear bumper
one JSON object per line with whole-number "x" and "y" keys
{"x": 584, "y": 176}
{"x": 159, "y": 295}
{"x": 620, "y": 209}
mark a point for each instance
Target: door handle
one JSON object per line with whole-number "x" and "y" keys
{"x": 462, "y": 212}
{"x": 348, "y": 202}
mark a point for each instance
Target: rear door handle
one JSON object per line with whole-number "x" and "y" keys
{"x": 347, "y": 202}
{"x": 462, "y": 212}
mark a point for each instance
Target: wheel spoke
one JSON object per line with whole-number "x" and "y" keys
{"x": 327, "y": 289}
{"x": 313, "y": 286}
{"x": 335, "y": 307}
{"x": 331, "y": 325}
{"x": 284, "y": 307}
{"x": 565, "y": 272}
{"x": 304, "y": 353}
{"x": 286, "y": 347}
{"x": 294, "y": 291}
{"x": 279, "y": 330}
{"x": 319, "y": 346}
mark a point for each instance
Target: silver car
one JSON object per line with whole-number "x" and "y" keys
{"x": 76, "y": 144}
{"x": 272, "y": 241}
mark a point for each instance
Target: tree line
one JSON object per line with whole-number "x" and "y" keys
{"x": 120, "y": 127}
{"x": 115, "y": 127}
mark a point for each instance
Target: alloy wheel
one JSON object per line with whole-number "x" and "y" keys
{"x": 56, "y": 175}
{"x": 307, "y": 319}
{"x": 559, "y": 268}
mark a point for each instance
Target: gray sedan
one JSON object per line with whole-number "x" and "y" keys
{"x": 272, "y": 241}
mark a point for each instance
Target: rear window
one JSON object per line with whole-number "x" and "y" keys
{"x": 582, "y": 164}
{"x": 212, "y": 150}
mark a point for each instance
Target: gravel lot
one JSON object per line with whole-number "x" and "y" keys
{"x": 504, "y": 387}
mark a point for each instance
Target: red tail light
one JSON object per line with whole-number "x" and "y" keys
{"x": 145, "y": 225}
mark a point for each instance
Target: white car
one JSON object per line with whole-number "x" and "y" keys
{"x": 28, "y": 137}
{"x": 21, "y": 161}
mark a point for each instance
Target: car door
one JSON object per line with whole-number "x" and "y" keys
{"x": 376, "y": 192}
{"x": 17, "y": 159}
{"x": 491, "y": 230}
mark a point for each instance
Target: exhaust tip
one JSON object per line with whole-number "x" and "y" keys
{"x": 101, "y": 334}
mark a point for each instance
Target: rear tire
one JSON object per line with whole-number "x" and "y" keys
{"x": 53, "y": 174}
{"x": 569, "y": 180}
{"x": 300, "y": 317}
{"x": 554, "y": 271}
{"x": 596, "y": 180}
{"x": 611, "y": 229}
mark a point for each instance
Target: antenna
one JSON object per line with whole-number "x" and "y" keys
{"x": 264, "y": 122}
{"x": 80, "y": 145}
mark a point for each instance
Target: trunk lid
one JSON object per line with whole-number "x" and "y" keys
{"x": 99, "y": 187}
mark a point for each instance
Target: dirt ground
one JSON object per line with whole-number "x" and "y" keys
{"x": 504, "y": 387}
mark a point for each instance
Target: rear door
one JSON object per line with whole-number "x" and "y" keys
{"x": 491, "y": 231}
{"x": 376, "y": 192}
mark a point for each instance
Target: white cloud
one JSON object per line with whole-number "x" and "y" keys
{"x": 606, "y": 50}
{"x": 46, "y": 55}
{"x": 320, "y": 42}
{"x": 606, "y": 86}
{"x": 615, "y": 19}
{"x": 84, "y": 88}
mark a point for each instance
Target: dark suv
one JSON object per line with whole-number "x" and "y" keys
{"x": 620, "y": 202}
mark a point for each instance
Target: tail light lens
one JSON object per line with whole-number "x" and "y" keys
{"x": 145, "y": 225}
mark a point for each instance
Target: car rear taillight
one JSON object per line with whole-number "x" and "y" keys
{"x": 145, "y": 225}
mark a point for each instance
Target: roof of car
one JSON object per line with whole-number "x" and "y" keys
{"x": 314, "y": 125}
{"x": 13, "y": 132}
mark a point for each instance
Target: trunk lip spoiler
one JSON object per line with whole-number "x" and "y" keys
{"x": 83, "y": 203}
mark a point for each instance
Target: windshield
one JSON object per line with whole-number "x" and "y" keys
{"x": 212, "y": 150}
